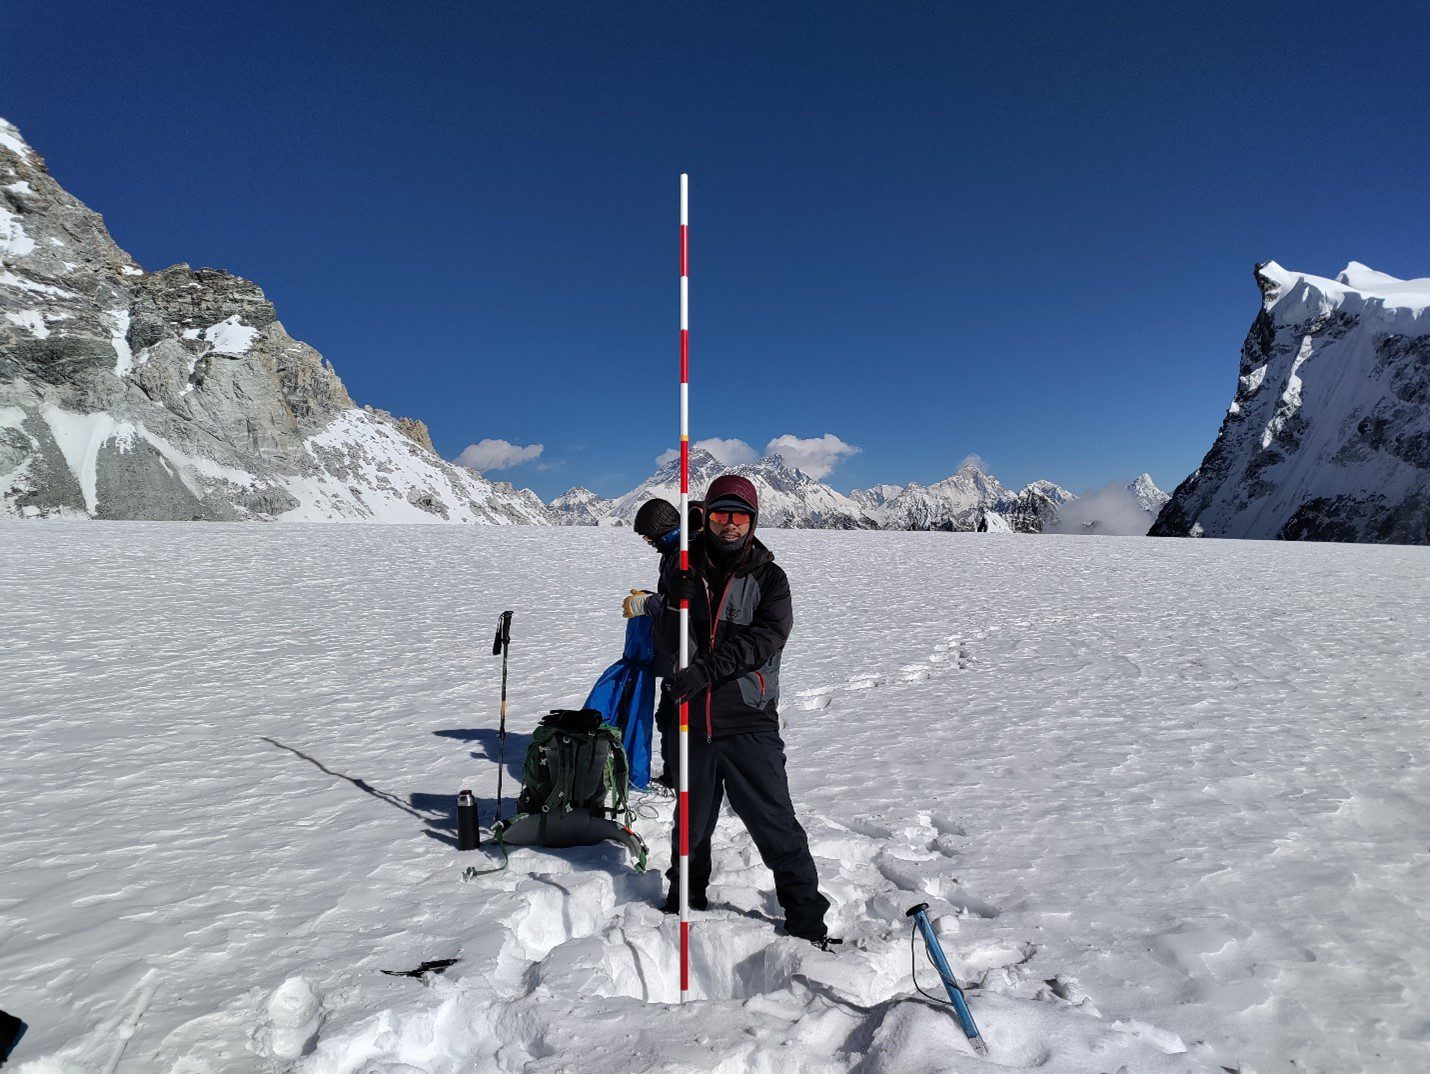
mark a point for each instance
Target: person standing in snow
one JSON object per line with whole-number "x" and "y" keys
{"x": 740, "y": 617}
{"x": 658, "y": 524}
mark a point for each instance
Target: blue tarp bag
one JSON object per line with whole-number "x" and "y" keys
{"x": 624, "y": 695}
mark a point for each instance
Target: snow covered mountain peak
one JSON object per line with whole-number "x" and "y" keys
{"x": 1355, "y": 287}
{"x": 579, "y": 506}
{"x": 1326, "y": 438}
{"x": 11, "y": 139}
{"x": 970, "y": 478}
{"x": 1148, "y": 496}
{"x": 791, "y": 499}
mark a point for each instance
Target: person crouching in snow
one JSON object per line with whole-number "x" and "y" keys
{"x": 657, "y": 523}
{"x": 740, "y": 617}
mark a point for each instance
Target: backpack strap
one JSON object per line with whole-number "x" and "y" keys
{"x": 471, "y": 872}
{"x": 618, "y": 778}
{"x": 586, "y": 785}
{"x": 636, "y": 845}
{"x": 558, "y": 763}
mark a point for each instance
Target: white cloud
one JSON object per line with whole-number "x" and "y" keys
{"x": 1112, "y": 510}
{"x": 497, "y": 455}
{"x": 816, "y": 456}
{"x": 729, "y": 452}
{"x": 975, "y": 461}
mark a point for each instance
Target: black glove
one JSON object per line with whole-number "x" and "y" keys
{"x": 684, "y": 586}
{"x": 687, "y": 683}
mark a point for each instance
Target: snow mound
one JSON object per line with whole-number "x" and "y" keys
{"x": 295, "y": 1014}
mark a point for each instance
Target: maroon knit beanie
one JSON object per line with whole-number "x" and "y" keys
{"x": 731, "y": 491}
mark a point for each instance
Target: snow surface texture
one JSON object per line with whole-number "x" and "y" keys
{"x": 1168, "y": 800}
{"x": 1328, "y": 436}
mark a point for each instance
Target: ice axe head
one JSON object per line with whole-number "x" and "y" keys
{"x": 503, "y": 638}
{"x": 915, "y": 910}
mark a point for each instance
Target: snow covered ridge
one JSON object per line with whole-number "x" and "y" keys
{"x": 1328, "y": 435}
{"x": 178, "y": 394}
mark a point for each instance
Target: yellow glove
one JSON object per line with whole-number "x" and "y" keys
{"x": 634, "y": 605}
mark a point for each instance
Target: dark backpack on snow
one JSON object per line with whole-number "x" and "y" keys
{"x": 575, "y": 785}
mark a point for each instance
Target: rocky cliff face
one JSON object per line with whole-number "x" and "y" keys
{"x": 178, "y": 394}
{"x": 1328, "y": 436}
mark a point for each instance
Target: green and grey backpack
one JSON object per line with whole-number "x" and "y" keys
{"x": 575, "y": 788}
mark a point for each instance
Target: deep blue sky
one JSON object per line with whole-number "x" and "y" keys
{"x": 1020, "y": 230}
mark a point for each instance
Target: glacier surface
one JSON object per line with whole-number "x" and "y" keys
{"x": 1168, "y": 800}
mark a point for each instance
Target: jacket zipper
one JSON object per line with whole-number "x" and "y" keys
{"x": 762, "y": 687}
{"x": 714, "y": 626}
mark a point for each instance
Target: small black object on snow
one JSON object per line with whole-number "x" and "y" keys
{"x": 440, "y": 965}
{"x": 11, "y": 1030}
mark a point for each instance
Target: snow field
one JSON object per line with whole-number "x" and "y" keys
{"x": 1167, "y": 799}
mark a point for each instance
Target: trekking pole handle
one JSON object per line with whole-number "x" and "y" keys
{"x": 503, "y": 638}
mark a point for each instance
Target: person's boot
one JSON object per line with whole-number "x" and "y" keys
{"x": 672, "y": 902}
{"x": 816, "y": 934}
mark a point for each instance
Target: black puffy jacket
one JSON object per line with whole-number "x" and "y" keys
{"x": 738, "y": 644}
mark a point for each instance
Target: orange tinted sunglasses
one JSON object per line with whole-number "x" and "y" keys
{"x": 739, "y": 518}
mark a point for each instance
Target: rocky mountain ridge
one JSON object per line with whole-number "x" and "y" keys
{"x": 1328, "y": 435}
{"x": 178, "y": 394}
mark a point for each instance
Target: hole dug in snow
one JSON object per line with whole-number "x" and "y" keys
{"x": 728, "y": 961}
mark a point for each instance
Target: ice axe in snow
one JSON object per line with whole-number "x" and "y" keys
{"x": 955, "y": 994}
{"x": 501, "y": 647}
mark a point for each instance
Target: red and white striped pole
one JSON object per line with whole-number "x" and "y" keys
{"x": 684, "y": 656}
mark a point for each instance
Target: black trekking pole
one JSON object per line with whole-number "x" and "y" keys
{"x": 501, "y": 647}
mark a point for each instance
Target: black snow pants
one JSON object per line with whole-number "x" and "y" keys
{"x": 667, "y": 716}
{"x": 750, "y": 770}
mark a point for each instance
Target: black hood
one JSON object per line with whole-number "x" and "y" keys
{"x": 751, "y": 554}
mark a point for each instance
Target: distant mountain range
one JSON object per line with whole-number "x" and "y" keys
{"x": 971, "y": 499}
